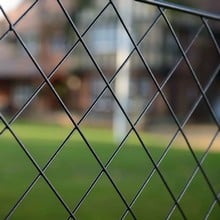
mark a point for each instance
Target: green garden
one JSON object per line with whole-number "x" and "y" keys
{"x": 74, "y": 168}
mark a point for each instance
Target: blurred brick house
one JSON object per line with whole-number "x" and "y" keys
{"x": 78, "y": 82}
{"x": 161, "y": 53}
{"x": 43, "y": 31}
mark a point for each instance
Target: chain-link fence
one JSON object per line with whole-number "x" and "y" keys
{"x": 156, "y": 68}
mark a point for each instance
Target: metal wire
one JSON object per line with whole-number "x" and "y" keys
{"x": 46, "y": 81}
{"x": 181, "y": 8}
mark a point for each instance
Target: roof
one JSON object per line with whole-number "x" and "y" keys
{"x": 14, "y": 62}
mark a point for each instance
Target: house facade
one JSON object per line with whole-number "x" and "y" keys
{"x": 48, "y": 36}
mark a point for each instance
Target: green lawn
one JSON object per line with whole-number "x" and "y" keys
{"x": 75, "y": 168}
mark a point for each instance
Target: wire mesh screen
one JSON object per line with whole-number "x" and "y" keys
{"x": 109, "y": 111}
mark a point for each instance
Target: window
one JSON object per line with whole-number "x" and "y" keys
{"x": 103, "y": 39}
{"x": 20, "y": 94}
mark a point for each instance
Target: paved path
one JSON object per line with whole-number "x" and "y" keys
{"x": 199, "y": 136}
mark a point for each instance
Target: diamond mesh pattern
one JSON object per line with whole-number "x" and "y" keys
{"x": 104, "y": 171}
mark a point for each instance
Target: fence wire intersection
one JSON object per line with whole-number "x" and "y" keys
{"x": 128, "y": 205}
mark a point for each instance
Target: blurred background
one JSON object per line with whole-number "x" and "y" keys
{"x": 49, "y": 37}
{"x": 109, "y": 77}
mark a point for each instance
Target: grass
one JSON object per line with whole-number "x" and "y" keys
{"x": 75, "y": 168}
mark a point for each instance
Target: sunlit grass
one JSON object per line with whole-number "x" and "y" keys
{"x": 74, "y": 169}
